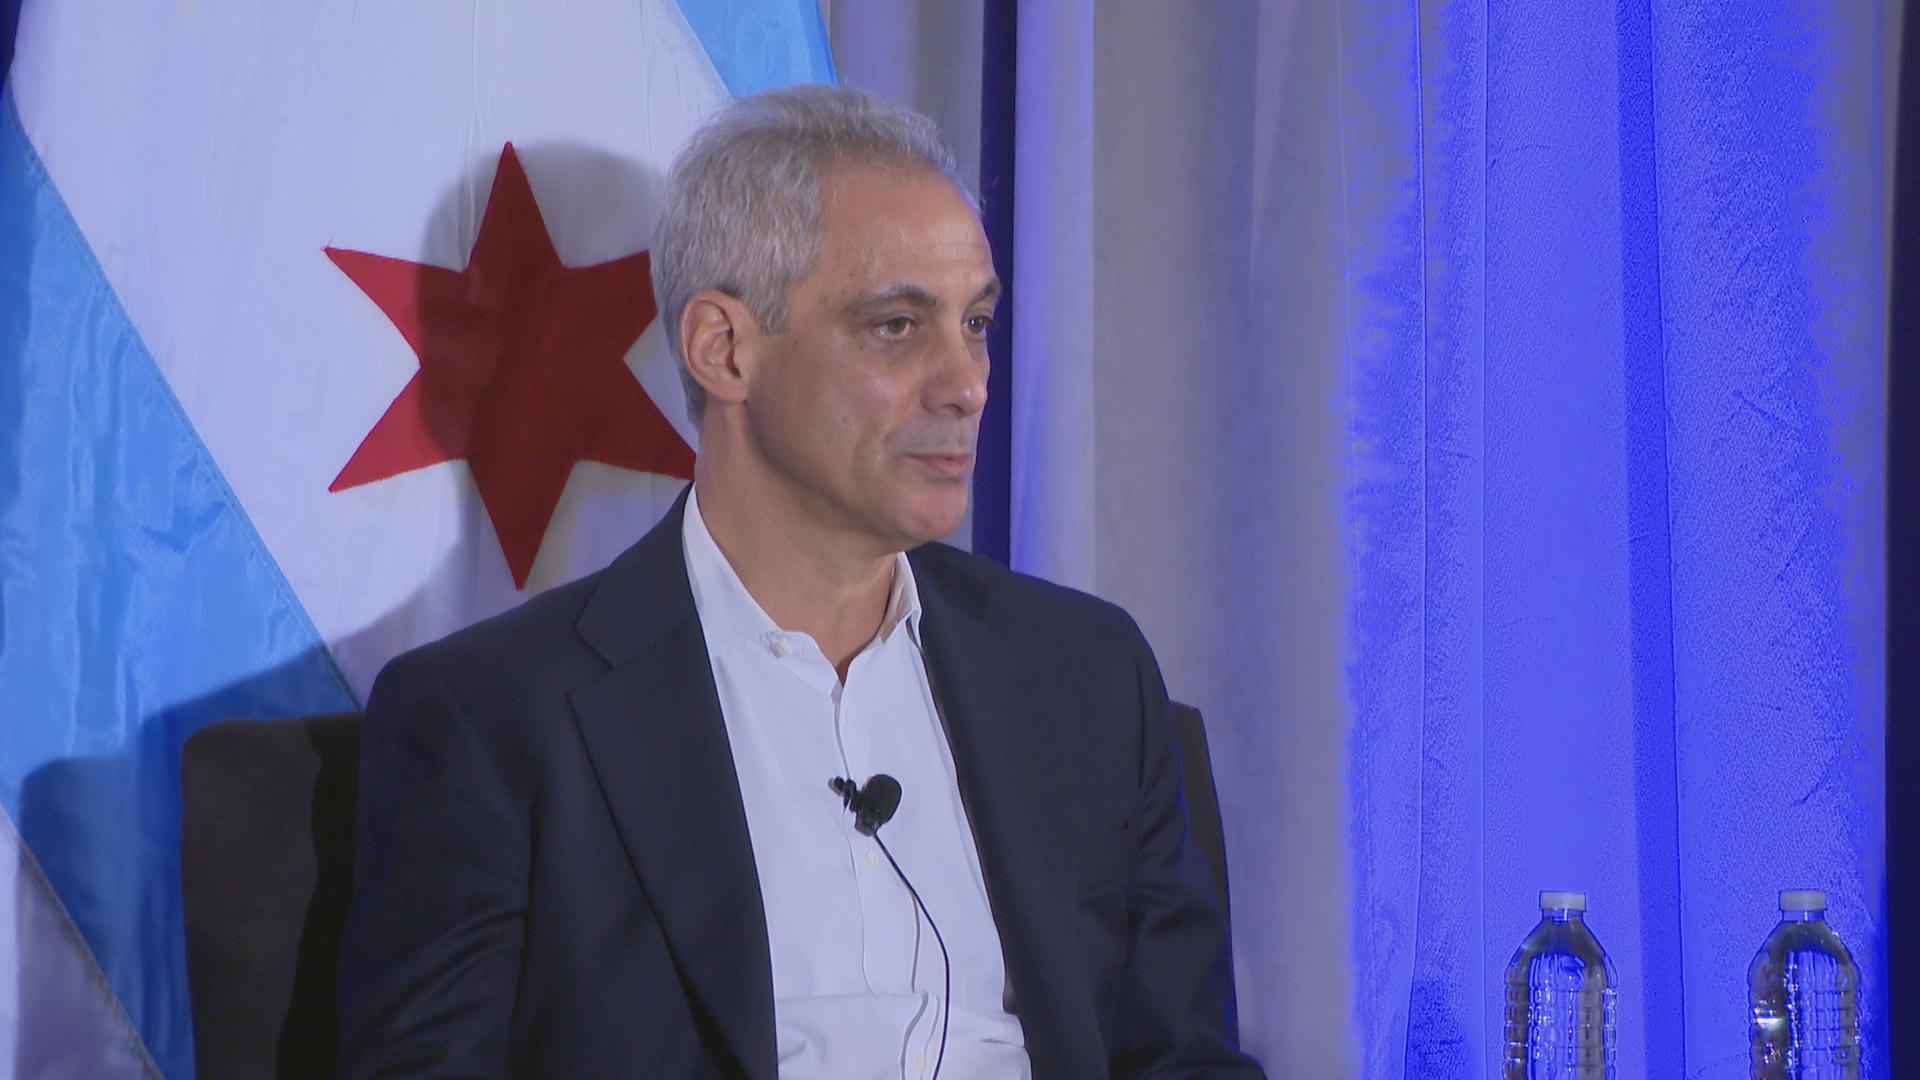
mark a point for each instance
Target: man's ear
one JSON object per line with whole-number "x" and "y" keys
{"x": 721, "y": 340}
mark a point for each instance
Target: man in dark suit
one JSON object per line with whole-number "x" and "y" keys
{"x": 597, "y": 836}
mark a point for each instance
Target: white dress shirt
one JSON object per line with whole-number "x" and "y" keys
{"x": 857, "y": 975}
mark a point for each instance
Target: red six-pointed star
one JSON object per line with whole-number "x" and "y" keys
{"x": 522, "y": 369}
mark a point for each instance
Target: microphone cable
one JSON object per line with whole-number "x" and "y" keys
{"x": 873, "y": 805}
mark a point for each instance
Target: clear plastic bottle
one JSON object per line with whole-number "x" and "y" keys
{"x": 1802, "y": 986}
{"x": 1560, "y": 1020}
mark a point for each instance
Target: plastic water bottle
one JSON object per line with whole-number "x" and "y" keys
{"x": 1802, "y": 987}
{"x": 1560, "y": 998}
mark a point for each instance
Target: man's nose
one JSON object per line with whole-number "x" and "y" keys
{"x": 958, "y": 383}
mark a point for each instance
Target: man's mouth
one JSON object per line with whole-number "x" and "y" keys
{"x": 949, "y": 466}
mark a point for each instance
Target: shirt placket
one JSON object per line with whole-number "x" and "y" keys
{"x": 886, "y": 916}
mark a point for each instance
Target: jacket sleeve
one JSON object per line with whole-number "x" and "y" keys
{"x": 1176, "y": 1014}
{"x": 431, "y": 954}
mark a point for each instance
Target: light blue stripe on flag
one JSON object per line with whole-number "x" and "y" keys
{"x": 760, "y": 44}
{"x": 136, "y": 604}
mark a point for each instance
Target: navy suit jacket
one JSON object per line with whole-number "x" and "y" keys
{"x": 554, "y": 876}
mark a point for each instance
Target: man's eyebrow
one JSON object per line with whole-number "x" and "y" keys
{"x": 916, "y": 296}
{"x": 897, "y": 294}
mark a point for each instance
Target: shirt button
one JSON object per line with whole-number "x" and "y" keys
{"x": 872, "y": 859}
{"x": 920, "y": 1063}
{"x": 780, "y": 649}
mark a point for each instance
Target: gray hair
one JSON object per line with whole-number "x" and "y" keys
{"x": 742, "y": 207}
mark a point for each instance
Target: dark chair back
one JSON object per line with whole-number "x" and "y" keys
{"x": 266, "y": 872}
{"x": 1203, "y": 803}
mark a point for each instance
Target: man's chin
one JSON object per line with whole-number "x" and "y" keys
{"x": 931, "y": 523}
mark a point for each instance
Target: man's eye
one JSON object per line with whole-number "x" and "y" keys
{"x": 980, "y": 325}
{"x": 898, "y": 326}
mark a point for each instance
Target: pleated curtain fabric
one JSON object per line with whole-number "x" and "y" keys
{"x": 1482, "y": 409}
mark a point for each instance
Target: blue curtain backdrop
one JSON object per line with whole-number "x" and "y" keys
{"x": 1626, "y": 407}
{"x": 1483, "y": 409}
{"x": 1903, "y": 556}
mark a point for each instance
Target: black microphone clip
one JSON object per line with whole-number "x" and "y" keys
{"x": 873, "y": 804}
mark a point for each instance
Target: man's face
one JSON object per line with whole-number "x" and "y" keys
{"x": 867, "y": 403}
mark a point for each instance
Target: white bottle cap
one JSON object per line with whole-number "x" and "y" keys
{"x": 1803, "y": 900}
{"x": 1571, "y": 901}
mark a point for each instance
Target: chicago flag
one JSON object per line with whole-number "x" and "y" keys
{"x": 325, "y": 328}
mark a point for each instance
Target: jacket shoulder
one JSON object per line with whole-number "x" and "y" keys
{"x": 1020, "y": 602}
{"x": 535, "y": 640}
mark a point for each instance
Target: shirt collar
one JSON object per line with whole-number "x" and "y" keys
{"x": 903, "y": 602}
{"x": 728, "y": 611}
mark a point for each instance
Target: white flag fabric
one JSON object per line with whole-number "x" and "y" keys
{"x": 325, "y": 329}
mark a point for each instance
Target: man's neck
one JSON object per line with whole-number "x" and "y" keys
{"x": 807, "y": 579}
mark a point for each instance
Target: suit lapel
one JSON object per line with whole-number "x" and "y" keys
{"x": 653, "y": 730}
{"x": 980, "y": 684}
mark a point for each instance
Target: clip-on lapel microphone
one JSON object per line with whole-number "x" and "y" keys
{"x": 873, "y": 805}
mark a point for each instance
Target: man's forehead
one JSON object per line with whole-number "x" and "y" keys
{"x": 892, "y": 235}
